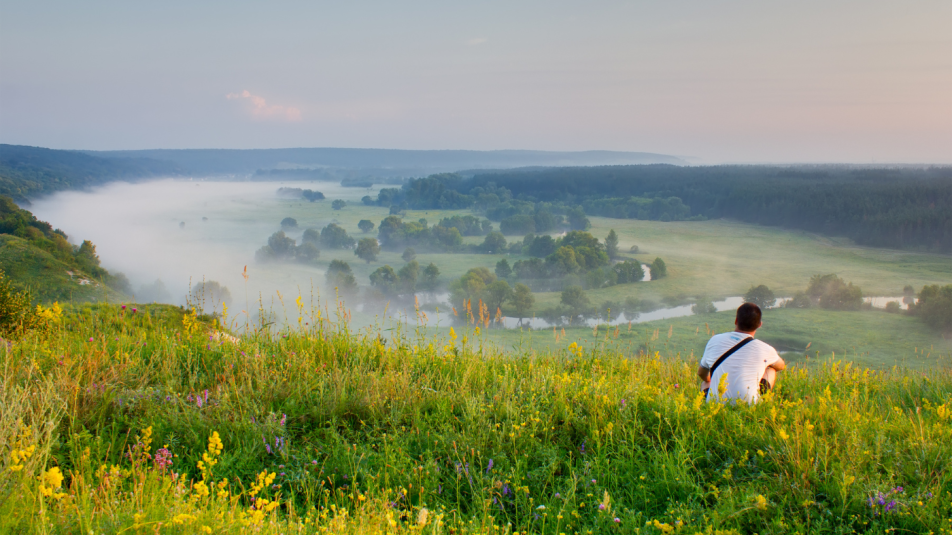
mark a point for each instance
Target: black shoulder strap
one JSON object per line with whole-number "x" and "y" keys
{"x": 730, "y": 352}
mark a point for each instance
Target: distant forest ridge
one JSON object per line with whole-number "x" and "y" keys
{"x": 407, "y": 162}
{"x": 899, "y": 207}
{"x": 30, "y": 172}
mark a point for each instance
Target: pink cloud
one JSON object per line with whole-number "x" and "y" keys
{"x": 261, "y": 110}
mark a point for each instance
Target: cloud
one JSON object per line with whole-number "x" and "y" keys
{"x": 261, "y": 110}
{"x": 476, "y": 41}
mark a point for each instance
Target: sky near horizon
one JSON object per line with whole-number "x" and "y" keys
{"x": 717, "y": 81}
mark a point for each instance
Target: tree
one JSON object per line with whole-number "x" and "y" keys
{"x": 386, "y": 280}
{"x": 431, "y": 278}
{"x": 497, "y": 293}
{"x": 562, "y": 262}
{"x": 471, "y": 286}
{"x": 704, "y": 306}
{"x": 340, "y": 276}
{"x": 365, "y": 225}
{"x": 86, "y": 255}
{"x": 281, "y": 245}
{"x": 367, "y": 249}
{"x": 408, "y": 254}
{"x": 833, "y": 293}
{"x": 577, "y": 219}
{"x": 575, "y": 299}
{"x": 307, "y": 252}
{"x": 503, "y": 270}
{"x": 611, "y": 245}
{"x": 288, "y": 223}
{"x": 629, "y": 271}
{"x": 522, "y": 299}
{"x": 934, "y": 307}
{"x": 408, "y": 276}
{"x": 335, "y": 237}
{"x": 658, "y": 269}
{"x": 494, "y": 243}
{"x": 519, "y": 224}
{"x": 209, "y": 295}
{"x": 312, "y": 196}
{"x": 338, "y": 204}
{"x": 311, "y": 236}
{"x": 761, "y": 296}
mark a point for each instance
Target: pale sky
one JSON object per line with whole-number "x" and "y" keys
{"x": 721, "y": 81}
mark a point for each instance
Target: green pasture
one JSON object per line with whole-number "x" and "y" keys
{"x": 868, "y": 338}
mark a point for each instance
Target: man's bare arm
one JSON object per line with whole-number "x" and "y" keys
{"x": 780, "y": 365}
{"x": 705, "y": 373}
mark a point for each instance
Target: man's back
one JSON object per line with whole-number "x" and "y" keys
{"x": 744, "y": 368}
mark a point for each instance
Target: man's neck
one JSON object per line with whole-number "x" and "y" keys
{"x": 751, "y": 333}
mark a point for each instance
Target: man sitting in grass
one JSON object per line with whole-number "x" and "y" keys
{"x": 745, "y": 368}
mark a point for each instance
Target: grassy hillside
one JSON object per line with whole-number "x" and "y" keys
{"x": 48, "y": 278}
{"x": 35, "y": 256}
{"x": 142, "y": 421}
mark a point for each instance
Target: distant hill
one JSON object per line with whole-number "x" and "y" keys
{"x": 27, "y": 172}
{"x": 34, "y": 256}
{"x": 381, "y": 162}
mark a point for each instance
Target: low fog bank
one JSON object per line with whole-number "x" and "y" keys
{"x": 181, "y": 232}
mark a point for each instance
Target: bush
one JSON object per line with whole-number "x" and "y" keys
{"x": 934, "y": 307}
{"x": 338, "y": 204}
{"x": 288, "y": 223}
{"x": 16, "y": 311}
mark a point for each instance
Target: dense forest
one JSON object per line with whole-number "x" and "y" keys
{"x": 901, "y": 207}
{"x": 27, "y": 172}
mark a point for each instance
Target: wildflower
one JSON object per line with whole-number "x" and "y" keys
{"x": 489, "y": 466}
{"x": 617, "y": 520}
{"x": 760, "y": 502}
{"x": 51, "y": 480}
{"x": 162, "y": 458}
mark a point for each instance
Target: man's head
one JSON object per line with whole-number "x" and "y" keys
{"x": 748, "y": 318}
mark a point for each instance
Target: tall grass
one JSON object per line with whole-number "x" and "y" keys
{"x": 158, "y": 423}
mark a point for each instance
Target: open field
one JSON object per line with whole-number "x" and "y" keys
{"x": 146, "y": 422}
{"x": 868, "y": 338}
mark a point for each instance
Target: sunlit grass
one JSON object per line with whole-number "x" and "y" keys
{"x": 325, "y": 429}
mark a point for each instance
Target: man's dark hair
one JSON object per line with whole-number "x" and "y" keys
{"x": 748, "y": 317}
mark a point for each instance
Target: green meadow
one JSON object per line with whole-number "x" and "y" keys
{"x": 149, "y": 419}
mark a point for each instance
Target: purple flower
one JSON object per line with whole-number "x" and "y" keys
{"x": 162, "y": 458}
{"x": 489, "y": 466}
{"x": 123, "y": 307}
{"x": 617, "y": 520}
{"x": 284, "y": 419}
{"x": 90, "y": 339}
{"x": 133, "y": 310}
{"x": 601, "y": 507}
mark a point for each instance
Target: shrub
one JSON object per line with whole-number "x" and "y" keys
{"x": 16, "y": 312}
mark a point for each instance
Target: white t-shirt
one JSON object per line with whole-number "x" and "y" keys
{"x": 744, "y": 368}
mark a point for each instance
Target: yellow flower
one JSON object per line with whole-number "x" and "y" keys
{"x": 760, "y": 502}
{"x": 782, "y": 435}
{"x": 51, "y": 480}
{"x": 182, "y": 519}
